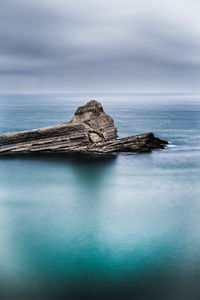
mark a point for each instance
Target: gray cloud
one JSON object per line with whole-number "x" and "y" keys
{"x": 102, "y": 46}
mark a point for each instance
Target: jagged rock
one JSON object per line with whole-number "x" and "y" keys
{"x": 89, "y": 131}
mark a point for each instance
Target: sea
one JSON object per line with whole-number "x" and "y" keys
{"x": 102, "y": 228}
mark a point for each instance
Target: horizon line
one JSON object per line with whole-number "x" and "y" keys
{"x": 101, "y": 93}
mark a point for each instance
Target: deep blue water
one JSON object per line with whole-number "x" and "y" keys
{"x": 116, "y": 228}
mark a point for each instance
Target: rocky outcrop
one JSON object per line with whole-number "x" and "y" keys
{"x": 89, "y": 131}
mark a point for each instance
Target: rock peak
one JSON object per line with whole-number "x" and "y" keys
{"x": 99, "y": 125}
{"x": 92, "y": 106}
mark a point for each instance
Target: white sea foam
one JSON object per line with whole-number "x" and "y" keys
{"x": 172, "y": 146}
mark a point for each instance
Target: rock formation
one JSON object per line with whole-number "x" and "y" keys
{"x": 89, "y": 131}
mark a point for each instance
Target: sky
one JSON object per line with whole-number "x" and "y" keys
{"x": 52, "y": 46}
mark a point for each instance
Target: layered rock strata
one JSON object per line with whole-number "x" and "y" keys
{"x": 89, "y": 131}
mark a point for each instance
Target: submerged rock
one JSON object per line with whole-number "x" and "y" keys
{"x": 89, "y": 131}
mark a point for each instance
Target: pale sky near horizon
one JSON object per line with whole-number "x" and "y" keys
{"x": 99, "y": 46}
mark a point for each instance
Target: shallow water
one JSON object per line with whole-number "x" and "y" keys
{"x": 124, "y": 227}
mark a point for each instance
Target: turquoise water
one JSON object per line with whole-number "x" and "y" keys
{"x": 124, "y": 227}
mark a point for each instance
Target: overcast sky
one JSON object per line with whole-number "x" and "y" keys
{"x": 99, "y": 46}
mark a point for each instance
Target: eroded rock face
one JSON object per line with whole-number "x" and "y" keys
{"x": 89, "y": 131}
{"x": 99, "y": 125}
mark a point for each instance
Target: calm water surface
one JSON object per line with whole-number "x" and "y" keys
{"x": 125, "y": 227}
